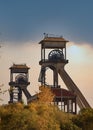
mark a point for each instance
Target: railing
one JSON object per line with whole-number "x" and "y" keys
{"x": 46, "y": 35}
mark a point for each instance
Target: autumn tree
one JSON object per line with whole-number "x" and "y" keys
{"x": 32, "y": 117}
{"x": 38, "y": 115}
{"x": 45, "y": 95}
{"x": 84, "y": 119}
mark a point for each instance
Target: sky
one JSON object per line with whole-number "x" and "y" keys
{"x": 22, "y": 24}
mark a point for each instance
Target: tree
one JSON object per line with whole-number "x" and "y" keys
{"x": 35, "y": 116}
{"x": 45, "y": 95}
{"x": 84, "y": 119}
{"x": 2, "y": 91}
{"x": 38, "y": 115}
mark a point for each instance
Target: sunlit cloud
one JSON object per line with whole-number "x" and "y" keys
{"x": 80, "y": 67}
{"x": 80, "y": 53}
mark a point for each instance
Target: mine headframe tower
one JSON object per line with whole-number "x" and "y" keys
{"x": 19, "y": 77}
{"x": 56, "y": 60}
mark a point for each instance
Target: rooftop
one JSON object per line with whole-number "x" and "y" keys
{"x": 53, "y": 39}
{"x": 60, "y": 92}
{"x": 18, "y": 66}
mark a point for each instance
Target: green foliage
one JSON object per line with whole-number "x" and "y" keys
{"x": 65, "y": 121}
{"x": 84, "y": 119}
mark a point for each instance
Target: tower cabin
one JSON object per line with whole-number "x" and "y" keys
{"x": 56, "y": 43}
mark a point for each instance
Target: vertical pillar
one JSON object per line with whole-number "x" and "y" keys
{"x": 64, "y": 107}
{"x": 68, "y": 105}
{"x": 44, "y": 54}
{"x": 11, "y": 94}
{"x": 19, "y": 94}
{"x": 44, "y": 77}
{"x": 71, "y": 106}
{"x": 41, "y": 52}
{"x": 61, "y": 103}
{"x": 55, "y": 78}
{"x": 11, "y": 76}
{"x": 27, "y": 75}
{"x": 65, "y": 51}
{"x": 75, "y": 107}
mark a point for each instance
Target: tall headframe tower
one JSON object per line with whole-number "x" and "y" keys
{"x": 18, "y": 82}
{"x": 56, "y": 60}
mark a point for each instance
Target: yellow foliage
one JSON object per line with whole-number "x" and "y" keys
{"x": 45, "y": 95}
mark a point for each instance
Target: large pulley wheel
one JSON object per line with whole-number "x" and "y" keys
{"x": 55, "y": 55}
{"x": 21, "y": 79}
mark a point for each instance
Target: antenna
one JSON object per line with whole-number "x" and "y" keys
{"x": 45, "y": 35}
{"x": 52, "y": 35}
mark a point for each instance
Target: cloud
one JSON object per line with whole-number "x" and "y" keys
{"x": 80, "y": 67}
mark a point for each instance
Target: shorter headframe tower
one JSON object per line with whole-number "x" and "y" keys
{"x": 18, "y": 83}
{"x": 56, "y": 60}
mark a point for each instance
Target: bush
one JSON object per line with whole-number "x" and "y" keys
{"x": 84, "y": 119}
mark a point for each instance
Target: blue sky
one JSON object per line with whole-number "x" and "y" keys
{"x": 24, "y": 20}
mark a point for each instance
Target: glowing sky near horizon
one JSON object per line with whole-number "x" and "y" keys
{"x": 22, "y": 24}
{"x": 79, "y": 66}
